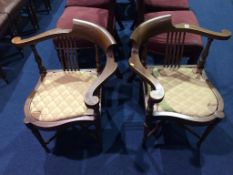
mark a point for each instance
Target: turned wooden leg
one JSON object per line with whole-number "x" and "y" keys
{"x": 3, "y": 76}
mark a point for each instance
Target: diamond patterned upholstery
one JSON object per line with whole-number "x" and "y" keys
{"x": 185, "y": 92}
{"x": 61, "y": 95}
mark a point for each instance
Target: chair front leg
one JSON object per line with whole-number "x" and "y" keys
{"x": 37, "y": 134}
{"x": 207, "y": 131}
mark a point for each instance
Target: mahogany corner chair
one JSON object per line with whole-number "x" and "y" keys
{"x": 71, "y": 95}
{"x": 175, "y": 92}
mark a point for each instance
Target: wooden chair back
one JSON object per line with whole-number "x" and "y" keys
{"x": 175, "y": 37}
{"x": 67, "y": 49}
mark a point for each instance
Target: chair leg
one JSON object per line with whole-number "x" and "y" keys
{"x": 207, "y": 132}
{"x": 3, "y": 76}
{"x": 133, "y": 25}
{"x": 48, "y": 5}
{"x": 119, "y": 74}
{"x": 120, "y": 23}
{"x": 37, "y": 134}
{"x": 32, "y": 15}
{"x": 131, "y": 77}
{"x": 147, "y": 126}
{"x": 98, "y": 130}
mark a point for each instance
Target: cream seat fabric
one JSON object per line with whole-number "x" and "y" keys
{"x": 185, "y": 92}
{"x": 61, "y": 95}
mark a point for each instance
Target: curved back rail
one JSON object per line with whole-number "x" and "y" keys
{"x": 175, "y": 37}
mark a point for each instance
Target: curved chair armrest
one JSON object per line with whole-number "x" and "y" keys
{"x": 157, "y": 93}
{"x": 90, "y": 99}
{"x": 18, "y": 41}
{"x": 223, "y": 35}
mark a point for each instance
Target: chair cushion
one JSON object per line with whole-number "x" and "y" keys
{"x": 185, "y": 92}
{"x": 61, "y": 95}
{"x": 95, "y": 15}
{"x": 168, "y": 4}
{"x": 193, "y": 43}
{"x": 88, "y": 3}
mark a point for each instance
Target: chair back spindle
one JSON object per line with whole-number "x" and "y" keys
{"x": 174, "y": 48}
{"x": 204, "y": 55}
{"x": 67, "y": 51}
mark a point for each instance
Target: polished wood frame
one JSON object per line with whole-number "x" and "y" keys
{"x": 83, "y": 30}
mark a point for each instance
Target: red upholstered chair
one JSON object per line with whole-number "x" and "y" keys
{"x": 88, "y": 3}
{"x": 159, "y": 5}
{"x": 100, "y": 16}
{"x": 192, "y": 42}
{"x": 95, "y": 15}
{"x": 145, "y": 6}
{"x": 179, "y": 10}
{"x": 105, "y": 4}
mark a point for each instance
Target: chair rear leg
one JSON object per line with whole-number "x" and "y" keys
{"x": 37, "y": 134}
{"x": 147, "y": 129}
{"x": 207, "y": 132}
{"x": 3, "y": 76}
{"x": 99, "y": 132}
{"x": 32, "y": 15}
{"x": 47, "y": 5}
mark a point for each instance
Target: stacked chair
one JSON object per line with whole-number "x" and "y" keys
{"x": 98, "y": 12}
{"x": 71, "y": 95}
{"x": 9, "y": 12}
{"x": 104, "y": 4}
{"x": 13, "y": 8}
{"x": 173, "y": 91}
{"x": 4, "y": 25}
{"x": 179, "y": 10}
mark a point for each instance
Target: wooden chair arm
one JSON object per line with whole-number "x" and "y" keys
{"x": 223, "y": 35}
{"x": 157, "y": 93}
{"x": 18, "y": 41}
{"x": 91, "y": 100}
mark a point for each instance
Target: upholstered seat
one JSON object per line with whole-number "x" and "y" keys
{"x": 95, "y": 15}
{"x": 61, "y": 95}
{"x": 88, "y": 3}
{"x": 167, "y": 4}
{"x": 192, "y": 42}
{"x": 187, "y": 92}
